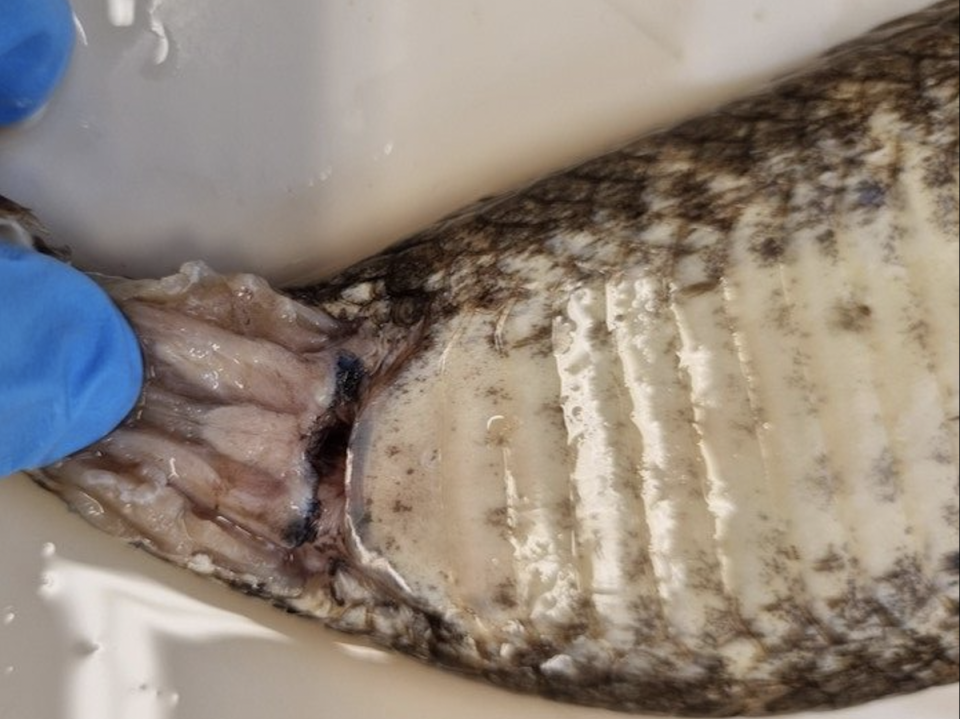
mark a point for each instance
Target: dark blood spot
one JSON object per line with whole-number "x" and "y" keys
{"x": 951, "y": 563}
{"x": 350, "y": 374}
{"x": 304, "y": 528}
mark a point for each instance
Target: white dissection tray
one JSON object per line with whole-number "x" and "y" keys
{"x": 291, "y": 139}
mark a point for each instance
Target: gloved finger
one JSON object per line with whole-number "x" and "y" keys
{"x": 36, "y": 39}
{"x": 70, "y": 365}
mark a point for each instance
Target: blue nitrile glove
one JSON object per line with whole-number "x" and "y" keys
{"x": 70, "y": 365}
{"x": 36, "y": 38}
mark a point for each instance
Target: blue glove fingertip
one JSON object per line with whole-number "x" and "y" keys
{"x": 36, "y": 40}
{"x": 70, "y": 364}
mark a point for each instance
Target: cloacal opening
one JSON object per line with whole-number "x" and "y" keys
{"x": 233, "y": 461}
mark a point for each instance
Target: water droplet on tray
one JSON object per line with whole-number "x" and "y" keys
{"x": 86, "y": 647}
{"x": 49, "y": 584}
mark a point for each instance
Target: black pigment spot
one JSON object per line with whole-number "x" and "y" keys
{"x": 698, "y": 288}
{"x": 870, "y": 194}
{"x": 406, "y": 310}
{"x": 852, "y": 316}
{"x": 401, "y": 507}
{"x": 770, "y": 250}
{"x": 827, "y": 242}
{"x": 951, "y": 563}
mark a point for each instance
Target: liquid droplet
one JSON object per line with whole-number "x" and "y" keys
{"x": 86, "y": 647}
{"x": 49, "y": 584}
{"x": 8, "y": 615}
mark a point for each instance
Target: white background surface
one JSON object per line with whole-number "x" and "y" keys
{"x": 291, "y": 138}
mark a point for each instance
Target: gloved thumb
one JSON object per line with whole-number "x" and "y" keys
{"x": 70, "y": 365}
